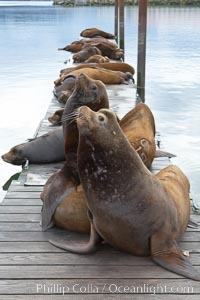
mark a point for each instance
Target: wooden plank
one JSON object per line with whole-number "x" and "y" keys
{"x": 21, "y": 202}
{"x": 12, "y": 218}
{"x": 73, "y": 285}
{"x": 39, "y": 236}
{"x": 20, "y": 209}
{"x": 76, "y": 271}
{"x": 22, "y": 195}
{"x": 115, "y": 258}
{"x": 108, "y": 256}
{"x": 23, "y": 188}
{"x": 20, "y": 246}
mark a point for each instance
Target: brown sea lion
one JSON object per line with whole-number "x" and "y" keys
{"x": 97, "y": 59}
{"x": 56, "y": 118}
{"x": 108, "y": 51}
{"x": 138, "y": 126}
{"x": 106, "y": 76}
{"x": 47, "y": 148}
{"x": 67, "y": 86}
{"x": 80, "y": 44}
{"x": 63, "y": 185}
{"x": 142, "y": 214}
{"x": 85, "y": 53}
{"x": 95, "y": 32}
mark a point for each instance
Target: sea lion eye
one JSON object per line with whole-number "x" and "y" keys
{"x": 101, "y": 118}
{"x": 94, "y": 87}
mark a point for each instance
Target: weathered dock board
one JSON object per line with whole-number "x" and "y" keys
{"x": 32, "y": 268}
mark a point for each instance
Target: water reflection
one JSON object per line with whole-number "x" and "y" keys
{"x": 30, "y": 62}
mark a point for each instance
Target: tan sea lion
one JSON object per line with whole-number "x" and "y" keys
{"x": 142, "y": 214}
{"x": 95, "y": 32}
{"x": 106, "y": 76}
{"x": 97, "y": 59}
{"x": 114, "y": 66}
{"x": 62, "y": 186}
{"x": 138, "y": 126}
{"x": 85, "y": 53}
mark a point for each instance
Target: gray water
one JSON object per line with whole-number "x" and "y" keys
{"x": 31, "y": 32}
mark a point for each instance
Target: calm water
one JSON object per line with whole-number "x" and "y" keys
{"x": 31, "y": 32}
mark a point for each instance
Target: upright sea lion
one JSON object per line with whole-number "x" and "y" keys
{"x": 85, "y": 53}
{"x": 142, "y": 214}
{"x": 106, "y": 76}
{"x": 67, "y": 86}
{"x": 97, "y": 59}
{"x": 95, "y": 32}
{"x": 47, "y": 148}
{"x": 62, "y": 186}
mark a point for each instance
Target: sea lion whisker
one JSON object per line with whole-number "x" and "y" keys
{"x": 74, "y": 119}
{"x": 68, "y": 118}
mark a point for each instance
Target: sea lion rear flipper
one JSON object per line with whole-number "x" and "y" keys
{"x": 160, "y": 153}
{"x": 170, "y": 257}
{"x": 192, "y": 224}
{"x": 90, "y": 247}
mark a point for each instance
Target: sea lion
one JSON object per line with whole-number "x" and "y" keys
{"x": 108, "y": 51}
{"x": 114, "y": 66}
{"x": 67, "y": 86}
{"x": 47, "y": 148}
{"x": 106, "y": 76}
{"x": 142, "y": 214}
{"x": 80, "y": 44}
{"x": 85, "y": 53}
{"x": 138, "y": 126}
{"x": 97, "y": 59}
{"x": 56, "y": 118}
{"x": 63, "y": 185}
{"x": 95, "y": 32}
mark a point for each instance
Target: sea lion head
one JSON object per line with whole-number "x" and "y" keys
{"x": 118, "y": 53}
{"x": 101, "y": 126}
{"x": 89, "y": 92}
{"x": 14, "y": 156}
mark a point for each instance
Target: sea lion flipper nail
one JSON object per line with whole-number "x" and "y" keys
{"x": 171, "y": 258}
{"x": 161, "y": 153}
{"x": 90, "y": 247}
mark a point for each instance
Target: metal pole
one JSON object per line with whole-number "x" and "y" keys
{"x": 121, "y": 24}
{"x": 117, "y": 20}
{"x": 141, "y": 59}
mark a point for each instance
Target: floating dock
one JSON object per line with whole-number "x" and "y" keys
{"x": 32, "y": 268}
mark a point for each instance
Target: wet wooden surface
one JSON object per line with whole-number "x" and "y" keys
{"x": 32, "y": 268}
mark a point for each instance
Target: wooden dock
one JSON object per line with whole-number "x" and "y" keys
{"x": 32, "y": 268}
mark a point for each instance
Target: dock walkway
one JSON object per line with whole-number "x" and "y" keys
{"x": 32, "y": 268}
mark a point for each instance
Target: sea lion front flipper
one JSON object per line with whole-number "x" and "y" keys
{"x": 90, "y": 247}
{"x": 169, "y": 256}
{"x": 161, "y": 153}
